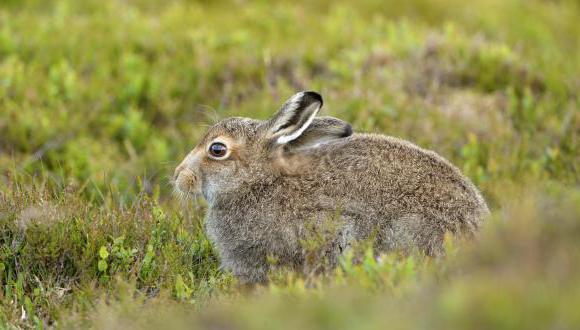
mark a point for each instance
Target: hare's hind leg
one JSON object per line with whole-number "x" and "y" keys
{"x": 411, "y": 232}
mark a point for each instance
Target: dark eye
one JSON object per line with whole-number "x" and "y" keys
{"x": 218, "y": 150}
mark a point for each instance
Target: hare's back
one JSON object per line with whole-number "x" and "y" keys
{"x": 384, "y": 152}
{"x": 392, "y": 170}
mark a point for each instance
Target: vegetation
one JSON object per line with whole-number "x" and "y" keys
{"x": 99, "y": 100}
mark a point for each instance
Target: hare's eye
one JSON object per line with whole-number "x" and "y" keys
{"x": 218, "y": 150}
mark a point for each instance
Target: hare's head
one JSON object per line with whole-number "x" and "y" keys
{"x": 238, "y": 151}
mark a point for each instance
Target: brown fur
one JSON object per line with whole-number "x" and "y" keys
{"x": 263, "y": 197}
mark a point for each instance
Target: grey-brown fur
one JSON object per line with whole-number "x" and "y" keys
{"x": 265, "y": 196}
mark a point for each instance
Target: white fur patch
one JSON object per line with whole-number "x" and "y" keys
{"x": 293, "y": 104}
{"x": 296, "y": 97}
{"x": 287, "y": 138}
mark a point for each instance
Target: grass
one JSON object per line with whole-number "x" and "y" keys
{"x": 99, "y": 100}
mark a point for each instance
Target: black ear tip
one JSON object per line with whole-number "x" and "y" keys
{"x": 312, "y": 96}
{"x": 347, "y": 131}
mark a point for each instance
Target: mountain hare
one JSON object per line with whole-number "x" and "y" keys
{"x": 268, "y": 183}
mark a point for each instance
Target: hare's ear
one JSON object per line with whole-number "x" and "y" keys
{"x": 322, "y": 130}
{"x": 295, "y": 116}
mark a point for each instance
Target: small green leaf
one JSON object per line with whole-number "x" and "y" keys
{"x": 102, "y": 265}
{"x": 182, "y": 291}
{"x": 103, "y": 253}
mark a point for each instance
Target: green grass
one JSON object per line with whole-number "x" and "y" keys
{"x": 99, "y": 100}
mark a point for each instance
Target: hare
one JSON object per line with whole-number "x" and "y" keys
{"x": 267, "y": 183}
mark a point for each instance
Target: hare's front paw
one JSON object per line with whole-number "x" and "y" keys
{"x": 251, "y": 276}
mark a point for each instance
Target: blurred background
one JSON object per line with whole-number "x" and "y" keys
{"x": 99, "y": 100}
{"x": 110, "y": 91}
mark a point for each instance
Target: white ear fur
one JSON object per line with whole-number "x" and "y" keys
{"x": 296, "y": 134}
{"x": 295, "y": 116}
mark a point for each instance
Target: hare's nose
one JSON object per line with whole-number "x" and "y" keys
{"x": 178, "y": 170}
{"x": 186, "y": 181}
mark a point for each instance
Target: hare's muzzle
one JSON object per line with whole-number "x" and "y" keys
{"x": 185, "y": 180}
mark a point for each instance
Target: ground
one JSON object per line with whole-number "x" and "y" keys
{"x": 100, "y": 100}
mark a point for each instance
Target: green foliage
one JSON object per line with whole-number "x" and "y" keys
{"x": 99, "y": 100}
